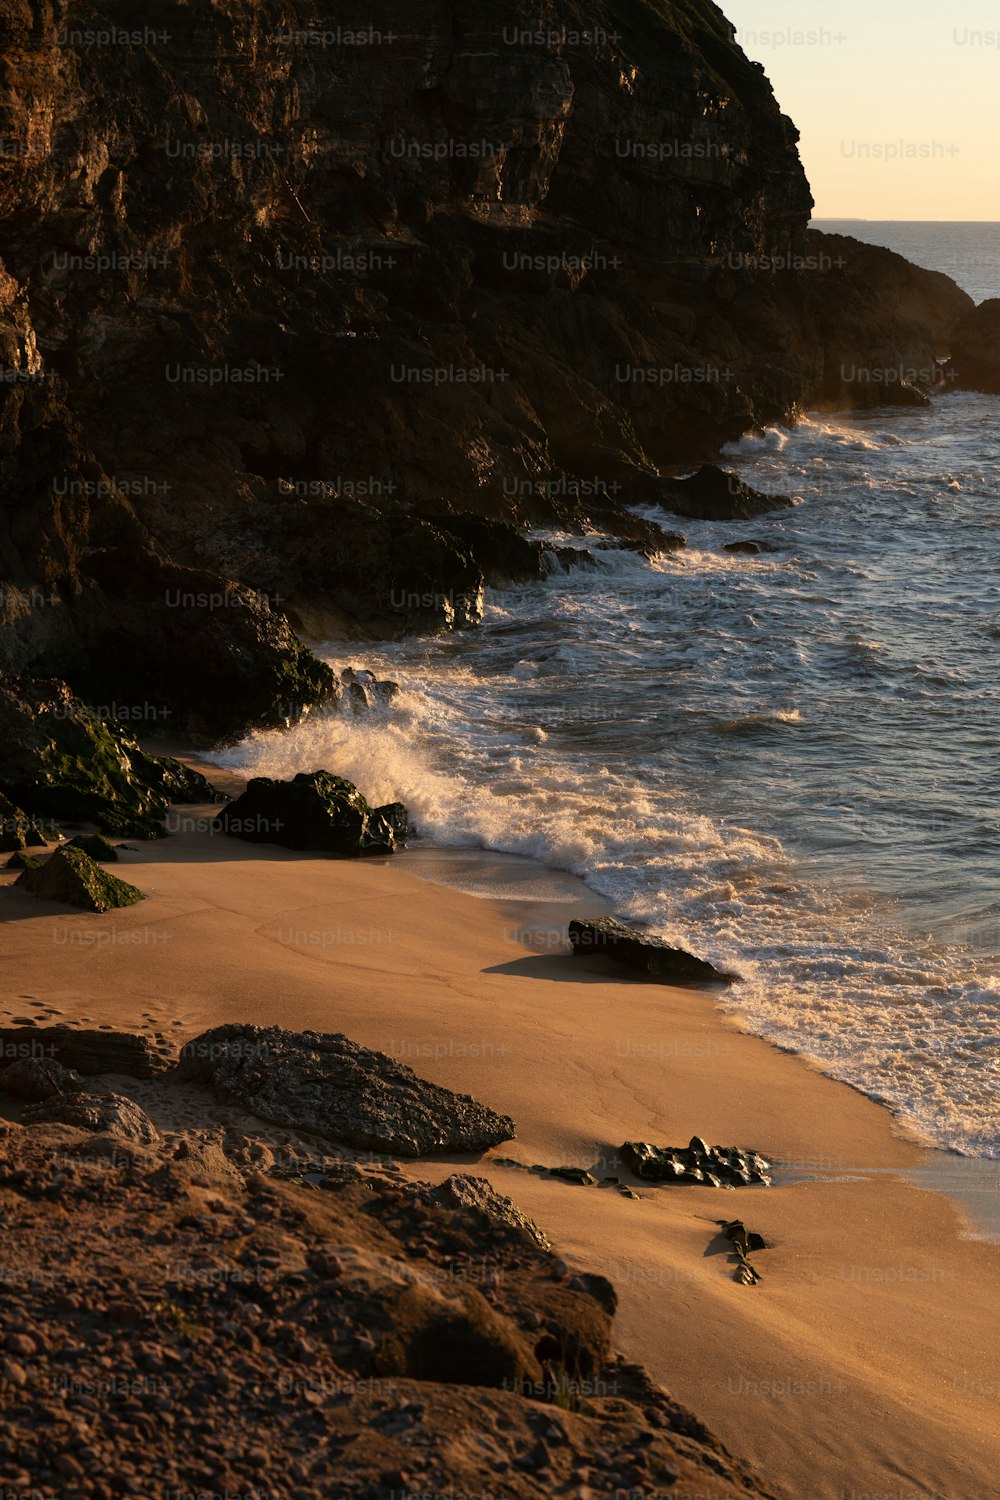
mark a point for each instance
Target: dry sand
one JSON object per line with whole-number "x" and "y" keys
{"x": 865, "y": 1364}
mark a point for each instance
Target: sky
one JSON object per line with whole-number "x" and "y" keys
{"x": 897, "y": 101}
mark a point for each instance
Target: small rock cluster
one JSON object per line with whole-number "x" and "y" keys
{"x": 715, "y": 1166}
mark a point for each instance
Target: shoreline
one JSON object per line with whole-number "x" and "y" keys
{"x": 868, "y": 1341}
{"x": 537, "y": 902}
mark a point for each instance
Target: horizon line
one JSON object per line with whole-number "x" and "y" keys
{"x": 853, "y": 219}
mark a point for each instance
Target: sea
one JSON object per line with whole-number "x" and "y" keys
{"x": 787, "y": 762}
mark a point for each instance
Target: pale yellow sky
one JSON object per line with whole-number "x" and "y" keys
{"x": 898, "y": 101}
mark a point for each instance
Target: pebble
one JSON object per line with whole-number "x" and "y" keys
{"x": 14, "y": 1373}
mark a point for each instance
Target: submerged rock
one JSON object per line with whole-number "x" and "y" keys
{"x": 72, "y": 877}
{"x": 713, "y": 495}
{"x": 717, "y": 1166}
{"x": 17, "y": 831}
{"x": 108, "y": 1114}
{"x": 326, "y": 1083}
{"x": 316, "y": 811}
{"x": 648, "y": 955}
{"x": 752, "y": 546}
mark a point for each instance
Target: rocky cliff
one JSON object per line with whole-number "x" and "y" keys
{"x": 286, "y": 289}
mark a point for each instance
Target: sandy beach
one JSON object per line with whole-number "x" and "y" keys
{"x": 864, "y": 1363}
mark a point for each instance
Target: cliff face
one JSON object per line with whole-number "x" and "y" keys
{"x": 282, "y": 288}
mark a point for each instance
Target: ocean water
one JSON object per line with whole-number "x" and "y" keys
{"x": 788, "y": 763}
{"x": 968, "y": 253}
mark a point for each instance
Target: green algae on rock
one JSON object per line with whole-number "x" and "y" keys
{"x": 317, "y": 811}
{"x": 72, "y": 877}
{"x": 62, "y": 760}
{"x": 17, "y": 831}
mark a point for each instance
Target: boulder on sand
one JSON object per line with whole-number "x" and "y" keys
{"x": 17, "y": 831}
{"x": 72, "y": 877}
{"x": 315, "y": 811}
{"x": 325, "y": 1083}
{"x": 650, "y": 956}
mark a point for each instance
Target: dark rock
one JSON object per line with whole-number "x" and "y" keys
{"x": 315, "y": 811}
{"x": 56, "y": 755}
{"x": 89, "y": 1052}
{"x": 578, "y": 1175}
{"x": 38, "y": 1078}
{"x": 698, "y": 1162}
{"x": 96, "y": 845}
{"x": 744, "y": 1242}
{"x": 17, "y": 831}
{"x": 751, "y": 547}
{"x": 201, "y": 653}
{"x": 650, "y": 956}
{"x": 501, "y": 552}
{"x": 975, "y": 348}
{"x": 363, "y": 690}
{"x": 892, "y": 389}
{"x": 330, "y": 1085}
{"x": 477, "y": 1199}
{"x": 24, "y": 862}
{"x": 713, "y": 495}
{"x": 105, "y": 1114}
{"x": 73, "y": 878}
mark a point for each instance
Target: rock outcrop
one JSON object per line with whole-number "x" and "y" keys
{"x": 713, "y": 495}
{"x": 975, "y": 349}
{"x": 71, "y": 877}
{"x": 650, "y": 957}
{"x": 17, "y": 831}
{"x": 272, "y": 331}
{"x": 384, "y": 1336}
{"x": 59, "y": 758}
{"x": 314, "y": 811}
{"x": 327, "y": 1084}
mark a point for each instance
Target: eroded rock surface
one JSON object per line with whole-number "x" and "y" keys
{"x": 328, "y": 1084}
{"x": 314, "y": 811}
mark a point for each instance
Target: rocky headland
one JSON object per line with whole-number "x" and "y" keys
{"x": 299, "y": 337}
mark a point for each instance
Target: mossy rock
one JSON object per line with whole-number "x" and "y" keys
{"x": 17, "y": 831}
{"x": 58, "y": 757}
{"x": 21, "y": 861}
{"x": 97, "y": 846}
{"x": 73, "y": 878}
